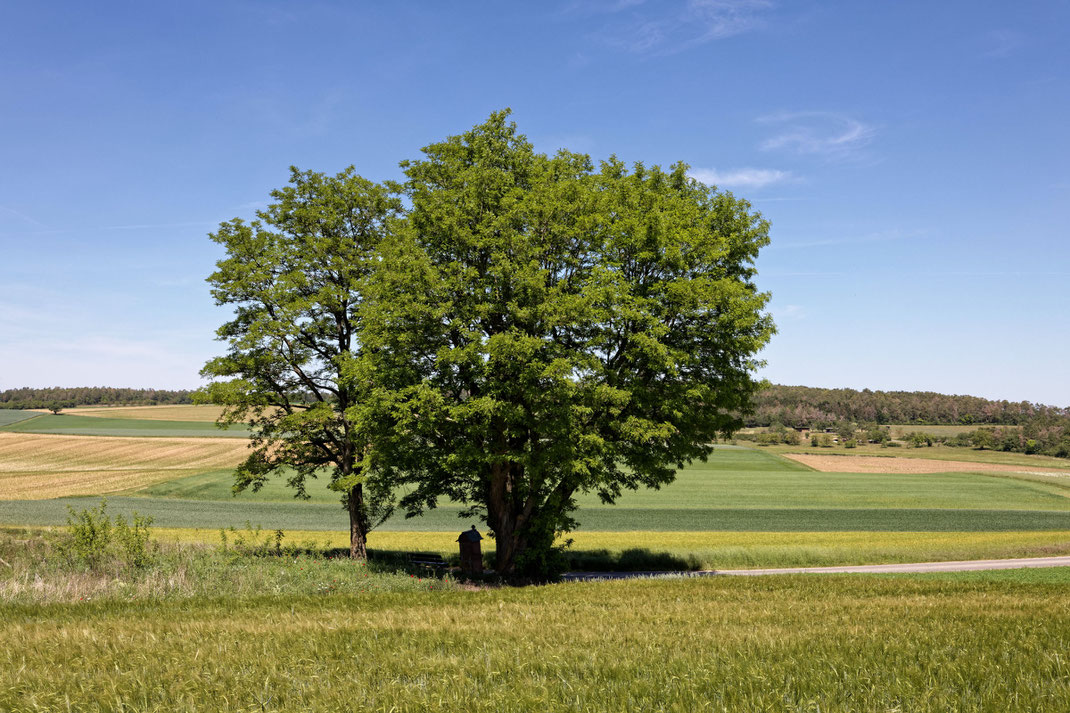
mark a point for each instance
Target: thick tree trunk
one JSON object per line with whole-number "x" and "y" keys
{"x": 508, "y": 542}
{"x": 358, "y": 524}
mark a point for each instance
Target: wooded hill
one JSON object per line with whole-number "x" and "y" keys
{"x": 68, "y": 397}
{"x": 807, "y": 406}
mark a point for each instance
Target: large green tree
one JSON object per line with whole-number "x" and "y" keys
{"x": 296, "y": 279}
{"x": 544, "y": 329}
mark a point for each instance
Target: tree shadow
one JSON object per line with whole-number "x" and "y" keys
{"x": 635, "y": 559}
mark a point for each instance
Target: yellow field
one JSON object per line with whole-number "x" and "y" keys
{"x": 206, "y": 413}
{"x": 725, "y": 550}
{"x": 37, "y": 466}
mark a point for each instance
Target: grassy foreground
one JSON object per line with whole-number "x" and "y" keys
{"x": 797, "y": 643}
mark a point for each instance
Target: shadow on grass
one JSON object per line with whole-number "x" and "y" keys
{"x": 636, "y": 559}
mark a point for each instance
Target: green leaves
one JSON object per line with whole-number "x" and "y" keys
{"x": 546, "y": 329}
{"x": 505, "y": 328}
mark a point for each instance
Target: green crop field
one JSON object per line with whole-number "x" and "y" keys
{"x": 9, "y": 416}
{"x": 736, "y": 490}
{"x": 983, "y": 642}
{"x": 734, "y": 479}
{"x": 744, "y": 507}
{"x": 69, "y": 425}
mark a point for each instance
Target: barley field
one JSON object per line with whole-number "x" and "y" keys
{"x": 789, "y": 643}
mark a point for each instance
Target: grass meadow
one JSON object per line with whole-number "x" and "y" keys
{"x": 987, "y": 642}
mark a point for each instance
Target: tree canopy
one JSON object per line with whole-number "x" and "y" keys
{"x": 548, "y": 329}
{"x": 504, "y": 329}
{"x": 296, "y": 279}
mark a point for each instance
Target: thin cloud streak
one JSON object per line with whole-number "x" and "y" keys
{"x": 685, "y": 26}
{"x": 23, "y": 216}
{"x": 741, "y": 178}
{"x": 821, "y": 133}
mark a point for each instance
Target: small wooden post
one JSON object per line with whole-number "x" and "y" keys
{"x": 471, "y": 551}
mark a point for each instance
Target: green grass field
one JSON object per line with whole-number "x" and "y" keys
{"x": 899, "y": 430}
{"x": 984, "y": 642}
{"x": 69, "y": 425}
{"x": 9, "y": 416}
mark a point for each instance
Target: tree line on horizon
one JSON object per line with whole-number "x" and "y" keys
{"x": 811, "y": 407}
{"x": 1013, "y": 426}
{"x": 69, "y": 397}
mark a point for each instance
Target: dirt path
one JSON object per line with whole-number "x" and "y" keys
{"x": 912, "y": 567}
{"x": 879, "y": 464}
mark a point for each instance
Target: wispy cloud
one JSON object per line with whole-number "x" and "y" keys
{"x": 144, "y": 226}
{"x": 741, "y": 177}
{"x": 789, "y": 312}
{"x": 879, "y": 237}
{"x": 668, "y": 28}
{"x": 821, "y": 133}
{"x": 23, "y": 217}
{"x": 1002, "y": 43}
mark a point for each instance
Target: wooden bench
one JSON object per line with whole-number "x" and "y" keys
{"x": 432, "y": 562}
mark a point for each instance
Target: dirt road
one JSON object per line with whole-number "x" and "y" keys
{"x": 958, "y": 566}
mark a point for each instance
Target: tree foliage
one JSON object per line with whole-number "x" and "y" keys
{"x": 544, "y": 329}
{"x": 296, "y": 280}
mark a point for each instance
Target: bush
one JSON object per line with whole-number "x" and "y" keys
{"x": 852, "y": 443}
{"x": 92, "y": 540}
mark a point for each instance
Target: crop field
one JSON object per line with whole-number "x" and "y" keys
{"x": 791, "y": 643}
{"x": 744, "y": 507}
{"x": 180, "y": 412}
{"x": 842, "y": 463}
{"x": 10, "y": 415}
{"x": 968, "y": 455}
{"x": 34, "y": 466}
{"x": 64, "y": 424}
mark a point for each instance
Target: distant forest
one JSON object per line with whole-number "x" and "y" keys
{"x": 90, "y": 396}
{"x": 1017, "y": 426}
{"x": 820, "y": 408}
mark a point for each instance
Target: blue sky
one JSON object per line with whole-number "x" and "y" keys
{"x": 912, "y": 157}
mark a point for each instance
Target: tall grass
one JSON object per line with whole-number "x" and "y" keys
{"x": 770, "y": 644}
{"x": 38, "y": 568}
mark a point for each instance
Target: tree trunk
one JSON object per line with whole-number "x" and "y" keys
{"x": 358, "y": 524}
{"x": 503, "y": 520}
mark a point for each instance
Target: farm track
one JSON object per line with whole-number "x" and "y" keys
{"x": 906, "y": 568}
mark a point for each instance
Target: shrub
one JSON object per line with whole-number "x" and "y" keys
{"x": 93, "y": 540}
